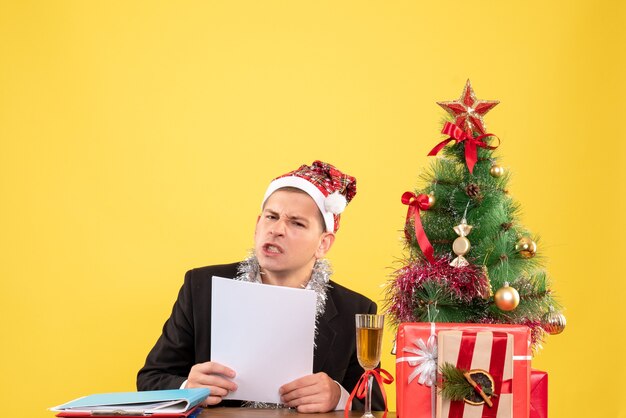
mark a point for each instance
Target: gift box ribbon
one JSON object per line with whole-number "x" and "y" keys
{"x": 424, "y": 361}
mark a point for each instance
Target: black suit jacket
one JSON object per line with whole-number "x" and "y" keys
{"x": 186, "y": 336}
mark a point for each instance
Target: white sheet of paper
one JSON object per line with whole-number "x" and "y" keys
{"x": 265, "y": 333}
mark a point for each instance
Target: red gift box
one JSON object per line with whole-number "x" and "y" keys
{"x": 487, "y": 351}
{"x": 414, "y": 346}
{"x": 538, "y": 394}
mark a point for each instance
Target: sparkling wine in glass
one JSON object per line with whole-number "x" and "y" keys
{"x": 369, "y": 336}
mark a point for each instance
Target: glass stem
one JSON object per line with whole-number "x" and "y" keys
{"x": 368, "y": 397}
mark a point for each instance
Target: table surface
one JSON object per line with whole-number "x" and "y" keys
{"x": 273, "y": 413}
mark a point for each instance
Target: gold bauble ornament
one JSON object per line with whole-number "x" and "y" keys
{"x": 431, "y": 200}
{"x": 553, "y": 322}
{"x": 506, "y": 298}
{"x": 496, "y": 170}
{"x": 526, "y": 247}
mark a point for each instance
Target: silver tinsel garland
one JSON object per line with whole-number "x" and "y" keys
{"x": 250, "y": 271}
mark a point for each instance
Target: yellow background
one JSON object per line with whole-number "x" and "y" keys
{"x": 137, "y": 139}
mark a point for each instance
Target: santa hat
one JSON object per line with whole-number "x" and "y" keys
{"x": 331, "y": 189}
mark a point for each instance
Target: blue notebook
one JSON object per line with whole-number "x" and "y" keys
{"x": 152, "y": 402}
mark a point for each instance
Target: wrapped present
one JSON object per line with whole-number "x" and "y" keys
{"x": 479, "y": 365}
{"x": 416, "y": 366}
{"x": 538, "y": 394}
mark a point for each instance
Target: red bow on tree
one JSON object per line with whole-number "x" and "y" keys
{"x": 459, "y": 135}
{"x": 416, "y": 203}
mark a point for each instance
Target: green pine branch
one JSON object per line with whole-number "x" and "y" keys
{"x": 434, "y": 302}
{"x": 454, "y": 386}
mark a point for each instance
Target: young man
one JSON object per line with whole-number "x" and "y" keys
{"x": 296, "y": 228}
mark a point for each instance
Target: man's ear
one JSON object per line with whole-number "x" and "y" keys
{"x": 326, "y": 241}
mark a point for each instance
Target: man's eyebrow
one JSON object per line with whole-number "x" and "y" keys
{"x": 299, "y": 218}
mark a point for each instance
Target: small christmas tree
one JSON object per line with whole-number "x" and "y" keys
{"x": 469, "y": 259}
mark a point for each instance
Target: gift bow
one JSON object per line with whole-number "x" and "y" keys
{"x": 381, "y": 376}
{"x": 459, "y": 135}
{"x": 415, "y": 203}
{"x": 425, "y": 362}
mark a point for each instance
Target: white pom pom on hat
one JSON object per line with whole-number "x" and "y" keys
{"x": 335, "y": 203}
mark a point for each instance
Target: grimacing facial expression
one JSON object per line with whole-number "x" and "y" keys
{"x": 289, "y": 236}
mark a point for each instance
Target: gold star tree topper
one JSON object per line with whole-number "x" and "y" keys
{"x": 468, "y": 110}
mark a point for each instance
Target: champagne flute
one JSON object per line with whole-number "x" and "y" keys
{"x": 369, "y": 336}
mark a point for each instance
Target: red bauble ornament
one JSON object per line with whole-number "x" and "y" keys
{"x": 468, "y": 110}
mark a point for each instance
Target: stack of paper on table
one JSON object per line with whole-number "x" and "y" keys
{"x": 158, "y": 403}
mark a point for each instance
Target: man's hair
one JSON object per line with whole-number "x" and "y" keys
{"x": 291, "y": 189}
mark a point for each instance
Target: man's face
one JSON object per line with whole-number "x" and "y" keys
{"x": 289, "y": 236}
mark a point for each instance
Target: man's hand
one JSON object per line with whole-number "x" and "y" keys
{"x": 214, "y": 376}
{"x": 312, "y": 393}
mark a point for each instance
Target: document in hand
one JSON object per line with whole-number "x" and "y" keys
{"x": 158, "y": 403}
{"x": 264, "y": 333}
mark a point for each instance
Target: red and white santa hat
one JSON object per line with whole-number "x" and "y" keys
{"x": 331, "y": 189}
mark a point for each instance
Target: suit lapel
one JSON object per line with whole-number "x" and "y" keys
{"x": 325, "y": 335}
